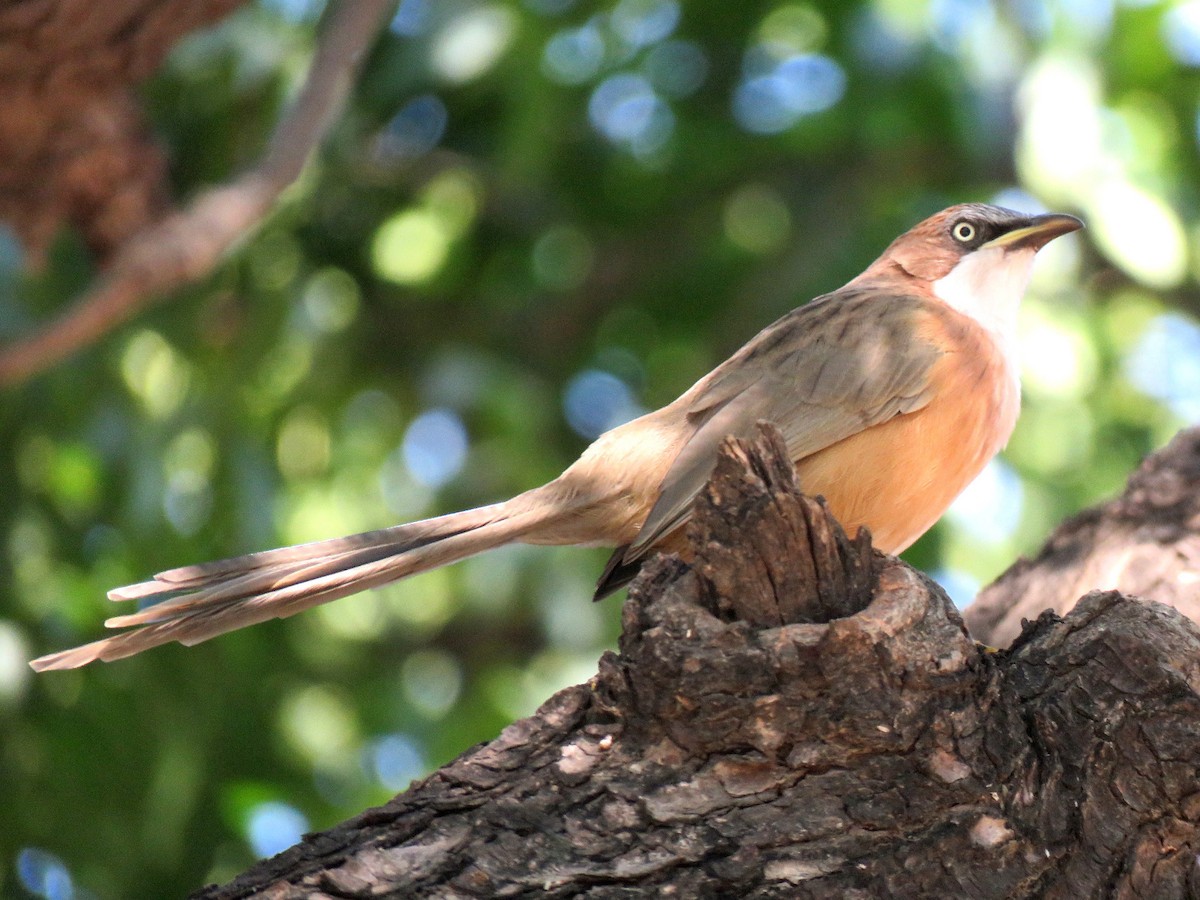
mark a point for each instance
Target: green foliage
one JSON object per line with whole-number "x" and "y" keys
{"x": 533, "y": 214}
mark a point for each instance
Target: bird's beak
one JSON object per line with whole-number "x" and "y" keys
{"x": 1037, "y": 233}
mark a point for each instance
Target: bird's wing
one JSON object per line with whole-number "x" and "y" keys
{"x": 822, "y": 373}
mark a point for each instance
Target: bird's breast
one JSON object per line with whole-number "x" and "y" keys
{"x": 898, "y": 477}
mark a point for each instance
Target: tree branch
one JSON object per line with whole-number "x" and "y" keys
{"x": 794, "y": 716}
{"x": 1145, "y": 542}
{"x": 186, "y": 245}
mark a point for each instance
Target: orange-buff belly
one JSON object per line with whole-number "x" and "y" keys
{"x": 898, "y": 478}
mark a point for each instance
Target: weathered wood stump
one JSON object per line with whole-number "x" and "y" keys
{"x": 795, "y": 715}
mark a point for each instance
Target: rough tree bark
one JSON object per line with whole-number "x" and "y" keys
{"x": 795, "y": 715}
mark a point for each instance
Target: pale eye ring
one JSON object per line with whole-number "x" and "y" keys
{"x": 964, "y": 232}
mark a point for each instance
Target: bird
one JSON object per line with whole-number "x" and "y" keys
{"x": 892, "y": 393}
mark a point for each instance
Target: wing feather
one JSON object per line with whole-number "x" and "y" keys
{"x": 826, "y": 371}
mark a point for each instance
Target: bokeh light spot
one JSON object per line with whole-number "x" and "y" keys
{"x": 569, "y": 620}
{"x": 798, "y": 86}
{"x": 74, "y": 479}
{"x": 454, "y": 196}
{"x": 44, "y": 875}
{"x": 155, "y": 373}
{"x": 304, "y": 446}
{"x": 574, "y": 55}
{"x": 1165, "y": 364}
{"x": 1140, "y": 232}
{"x": 404, "y": 496}
{"x": 360, "y": 618}
{"x": 596, "y": 401}
{"x": 14, "y": 653}
{"x": 395, "y": 760}
{"x": 330, "y": 299}
{"x": 273, "y": 260}
{"x": 626, "y": 110}
{"x": 272, "y": 827}
{"x": 471, "y": 43}
{"x": 562, "y": 258}
{"x": 432, "y": 681}
{"x": 1091, "y": 19}
{"x": 642, "y": 22}
{"x": 414, "y": 130}
{"x": 411, "y": 18}
{"x": 435, "y": 447}
{"x": 989, "y": 510}
{"x": 1061, "y": 146}
{"x": 192, "y": 450}
{"x": 187, "y": 501}
{"x": 421, "y": 605}
{"x": 795, "y": 28}
{"x": 1057, "y": 360}
{"x": 951, "y": 21}
{"x": 886, "y": 41}
{"x": 318, "y": 723}
{"x": 1054, "y": 437}
{"x": 410, "y": 247}
{"x": 756, "y": 219}
{"x": 1181, "y": 31}
{"x": 283, "y": 368}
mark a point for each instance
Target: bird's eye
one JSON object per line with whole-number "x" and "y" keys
{"x": 964, "y": 232}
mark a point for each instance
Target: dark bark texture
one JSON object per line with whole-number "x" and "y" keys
{"x": 795, "y": 715}
{"x": 74, "y": 148}
{"x": 1145, "y": 542}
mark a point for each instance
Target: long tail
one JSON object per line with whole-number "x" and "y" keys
{"x": 202, "y": 601}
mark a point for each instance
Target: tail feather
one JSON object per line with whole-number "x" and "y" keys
{"x": 256, "y": 581}
{"x": 213, "y": 598}
{"x": 252, "y": 584}
{"x": 397, "y": 537}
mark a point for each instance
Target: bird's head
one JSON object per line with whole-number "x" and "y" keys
{"x": 932, "y": 249}
{"x": 974, "y": 257}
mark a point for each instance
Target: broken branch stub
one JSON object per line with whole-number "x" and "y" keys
{"x": 772, "y": 555}
{"x": 744, "y": 649}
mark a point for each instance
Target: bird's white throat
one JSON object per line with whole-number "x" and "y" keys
{"x": 988, "y": 285}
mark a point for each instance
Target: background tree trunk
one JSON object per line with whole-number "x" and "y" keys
{"x": 1144, "y": 542}
{"x": 795, "y": 715}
